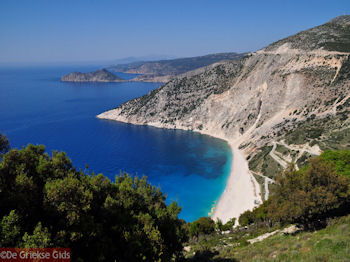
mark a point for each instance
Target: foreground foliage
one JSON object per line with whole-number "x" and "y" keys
{"x": 4, "y": 144}
{"x": 329, "y": 244}
{"x": 317, "y": 196}
{"x": 308, "y": 196}
{"x": 46, "y": 202}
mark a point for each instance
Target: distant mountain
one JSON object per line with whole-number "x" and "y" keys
{"x": 148, "y": 58}
{"x": 102, "y": 75}
{"x": 157, "y": 70}
{"x": 153, "y": 71}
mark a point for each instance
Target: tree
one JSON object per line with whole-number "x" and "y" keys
{"x": 340, "y": 160}
{"x": 219, "y": 225}
{"x": 227, "y": 226}
{"x": 309, "y": 195}
{"x": 39, "y": 239}
{"x": 10, "y": 229}
{"x": 246, "y": 218}
{"x": 4, "y": 144}
{"x": 70, "y": 197}
{"x": 202, "y": 226}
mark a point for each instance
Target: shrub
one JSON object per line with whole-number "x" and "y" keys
{"x": 202, "y": 226}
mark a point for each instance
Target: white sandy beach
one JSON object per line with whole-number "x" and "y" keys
{"x": 242, "y": 191}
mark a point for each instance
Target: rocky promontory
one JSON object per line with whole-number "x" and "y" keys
{"x": 102, "y": 75}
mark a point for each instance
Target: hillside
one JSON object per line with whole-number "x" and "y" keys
{"x": 328, "y": 244}
{"x": 281, "y": 104}
{"x": 332, "y": 36}
{"x": 102, "y": 75}
{"x": 151, "y": 71}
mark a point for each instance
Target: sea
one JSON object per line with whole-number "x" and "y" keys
{"x": 37, "y": 108}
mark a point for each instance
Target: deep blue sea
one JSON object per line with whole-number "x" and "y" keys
{"x": 35, "y": 107}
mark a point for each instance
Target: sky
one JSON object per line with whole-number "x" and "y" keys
{"x": 48, "y": 31}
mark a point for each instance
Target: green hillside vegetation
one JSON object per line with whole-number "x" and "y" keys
{"x": 264, "y": 163}
{"x": 330, "y": 244}
{"x": 333, "y": 36}
{"x": 339, "y": 159}
{"x": 315, "y": 197}
{"x": 46, "y": 202}
{"x": 308, "y": 196}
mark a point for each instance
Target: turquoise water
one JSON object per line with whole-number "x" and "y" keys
{"x": 35, "y": 107}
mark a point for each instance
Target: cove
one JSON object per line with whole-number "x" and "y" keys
{"x": 37, "y": 108}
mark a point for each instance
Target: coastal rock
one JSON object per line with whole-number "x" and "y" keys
{"x": 102, "y": 75}
{"x": 290, "y": 230}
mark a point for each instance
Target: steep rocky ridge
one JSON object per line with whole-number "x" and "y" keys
{"x": 333, "y": 36}
{"x": 295, "y": 92}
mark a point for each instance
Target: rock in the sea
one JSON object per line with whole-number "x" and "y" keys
{"x": 102, "y": 75}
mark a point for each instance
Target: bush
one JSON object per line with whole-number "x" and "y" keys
{"x": 306, "y": 196}
{"x": 202, "y": 226}
{"x": 225, "y": 227}
{"x": 246, "y": 218}
{"x": 339, "y": 159}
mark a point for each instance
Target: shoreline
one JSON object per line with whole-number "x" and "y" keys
{"x": 242, "y": 191}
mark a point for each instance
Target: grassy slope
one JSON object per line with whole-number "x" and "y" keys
{"x": 329, "y": 244}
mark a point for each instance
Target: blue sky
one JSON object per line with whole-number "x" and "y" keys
{"x": 101, "y": 30}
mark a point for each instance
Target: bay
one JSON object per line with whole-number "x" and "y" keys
{"x": 35, "y": 107}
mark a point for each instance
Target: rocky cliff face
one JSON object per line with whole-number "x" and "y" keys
{"x": 278, "y": 105}
{"x": 102, "y": 75}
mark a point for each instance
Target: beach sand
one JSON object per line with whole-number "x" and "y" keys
{"x": 242, "y": 191}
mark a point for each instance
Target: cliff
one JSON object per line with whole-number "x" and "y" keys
{"x": 281, "y": 104}
{"x": 102, "y": 75}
